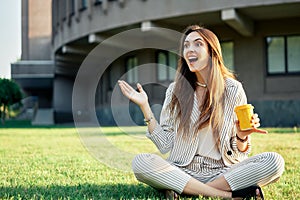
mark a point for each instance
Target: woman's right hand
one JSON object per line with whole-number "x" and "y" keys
{"x": 138, "y": 97}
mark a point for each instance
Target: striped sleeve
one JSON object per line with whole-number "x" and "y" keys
{"x": 235, "y": 95}
{"x": 241, "y": 99}
{"x": 164, "y": 133}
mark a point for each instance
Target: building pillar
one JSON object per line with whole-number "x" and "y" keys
{"x": 62, "y": 98}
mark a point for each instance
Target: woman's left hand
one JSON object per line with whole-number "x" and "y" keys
{"x": 255, "y": 124}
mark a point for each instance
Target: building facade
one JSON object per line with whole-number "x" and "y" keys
{"x": 94, "y": 43}
{"x": 35, "y": 71}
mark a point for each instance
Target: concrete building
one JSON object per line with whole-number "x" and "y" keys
{"x": 35, "y": 71}
{"x": 96, "y": 42}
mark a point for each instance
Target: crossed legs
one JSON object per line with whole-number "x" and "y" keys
{"x": 260, "y": 170}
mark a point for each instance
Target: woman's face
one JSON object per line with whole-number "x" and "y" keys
{"x": 195, "y": 52}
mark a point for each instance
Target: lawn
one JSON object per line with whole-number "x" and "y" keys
{"x": 64, "y": 163}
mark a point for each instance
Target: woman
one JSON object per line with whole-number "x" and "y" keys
{"x": 198, "y": 127}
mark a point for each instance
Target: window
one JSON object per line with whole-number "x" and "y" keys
{"x": 283, "y": 55}
{"x": 98, "y": 2}
{"x": 166, "y": 65}
{"x": 71, "y": 7}
{"x": 83, "y": 5}
{"x": 131, "y": 68}
{"x": 228, "y": 54}
{"x": 63, "y": 9}
{"x": 57, "y": 16}
{"x": 293, "y": 54}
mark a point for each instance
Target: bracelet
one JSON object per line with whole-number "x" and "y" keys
{"x": 147, "y": 121}
{"x": 241, "y": 140}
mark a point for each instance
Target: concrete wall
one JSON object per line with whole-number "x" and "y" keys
{"x": 276, "y": 98}
{"x": 62, "y": 98}
{"x": 35, "y": 71}
{"x": 36, "y": 79}
{"x": 125, "y": 113}
{"x": 36, "y": 30}
{"x": 115, "y": 15}
{"x": 247, "y": 29}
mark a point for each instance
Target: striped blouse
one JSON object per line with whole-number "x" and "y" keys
{"x": 182, "y": 151}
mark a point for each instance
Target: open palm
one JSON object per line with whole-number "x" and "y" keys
{"x": 138, "y": 97}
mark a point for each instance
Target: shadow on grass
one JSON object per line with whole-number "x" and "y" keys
{"x": 82, "y": 191}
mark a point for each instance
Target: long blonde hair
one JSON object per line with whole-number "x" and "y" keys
{"x": 185, "y": 85}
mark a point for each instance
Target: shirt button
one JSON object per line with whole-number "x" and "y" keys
{"x": 229, "y": 153}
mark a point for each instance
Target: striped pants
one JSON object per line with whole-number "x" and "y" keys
{"x": 260, "y": 169}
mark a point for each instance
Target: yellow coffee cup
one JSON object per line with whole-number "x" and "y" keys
{"x": 244, "y": 114}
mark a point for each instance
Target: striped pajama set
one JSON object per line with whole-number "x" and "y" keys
{"x": 184, "y": 160}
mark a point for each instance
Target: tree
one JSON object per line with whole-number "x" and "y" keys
{"x": 10, "y": 93}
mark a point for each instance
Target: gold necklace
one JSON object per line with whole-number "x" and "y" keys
{"x": 201, "y": 84}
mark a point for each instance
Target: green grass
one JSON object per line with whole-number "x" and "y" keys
{"x": 52, "y": 163}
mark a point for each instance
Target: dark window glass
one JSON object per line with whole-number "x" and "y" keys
{"x": 131, "y": 67}
{"x": 83, "y": 5}
{"x": 166, "y": 65}
{"x": 293, "y": 54}
{"x": 228, "y": 55}
{"x": 276, "y": 55}
{"x": 283, "y": 55}
{"x": 98, "y": 2}
{"x": 72, "y": 7}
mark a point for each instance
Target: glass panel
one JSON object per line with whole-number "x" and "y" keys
{"x": 83, "y": 3}
{"x": 72, "y": 7}
{"x": 276, "y": 58}
{"x": 293, "y": 50}
{"x": 162, "y": 58}
{"x": 64, "y": 9}
{"x": 161, "y": 67}
{"x": 162, "y": 72}
{"x": 129, "y": 70}
{"x": 172, "y": 65}
{"x": 135, "y": 70}
{"x": 132, "y": 71}
{"x": 227, "y": 53}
